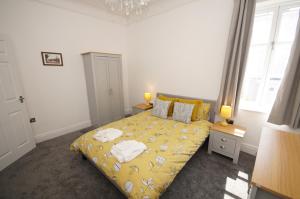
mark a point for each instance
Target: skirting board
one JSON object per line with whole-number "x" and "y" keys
{"x": 62, "y": 131}
{"x": 248, "y": 148}
{"x": 128, "y": 111}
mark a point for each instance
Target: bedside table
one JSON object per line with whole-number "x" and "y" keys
{"x": 140, "y": 108}
{"x": 226, "y": 140}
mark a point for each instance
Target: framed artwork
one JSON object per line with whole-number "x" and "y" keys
{"x": 52, "y": 59}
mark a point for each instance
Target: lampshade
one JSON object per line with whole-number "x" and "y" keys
{"x": 147, "y": 96}
{"x": 225, "y": 112}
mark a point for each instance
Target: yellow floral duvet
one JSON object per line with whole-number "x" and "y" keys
{"x": 170, "y": 144}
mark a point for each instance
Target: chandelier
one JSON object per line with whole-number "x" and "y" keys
{"x": 127, "y": 7}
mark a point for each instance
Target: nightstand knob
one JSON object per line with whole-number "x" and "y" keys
{"x": 222, "y": 147}
{"x": 223, "y": 140}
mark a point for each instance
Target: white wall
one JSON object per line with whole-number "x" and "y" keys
{"x": 181, "y": 51}
{"x": 254, "y": 122}
{"x": 56, "y": 96}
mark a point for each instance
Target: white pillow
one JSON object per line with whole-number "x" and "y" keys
{"x": 183, "y": 112}
{"x": 161, "y": 108}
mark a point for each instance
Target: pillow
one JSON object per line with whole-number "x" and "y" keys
{"x": 183, "y": 112}
{"x": 203, "y": 112}
{"x": 160, "y": 108}
{"x": 173, "y": 100}
{"x": 197, "y": 104}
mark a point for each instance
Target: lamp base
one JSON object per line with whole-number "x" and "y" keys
{"x": 229, "y": 121}
{"x": 224, "y": 123}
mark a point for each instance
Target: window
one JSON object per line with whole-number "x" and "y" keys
{"x": 272, "y": 38}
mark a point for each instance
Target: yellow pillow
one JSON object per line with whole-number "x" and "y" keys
{"x": 173, "y": 100}
{"x": 197, "y": 104}
{"x": 203, "y": 112}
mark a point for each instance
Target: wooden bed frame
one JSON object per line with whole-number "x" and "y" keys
{"x": 211, "y": 119}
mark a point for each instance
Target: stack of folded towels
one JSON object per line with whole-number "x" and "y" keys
{"x": 127, "y": 150}
{"x": 108, "y": 134}
{"x": 124, "y": 151}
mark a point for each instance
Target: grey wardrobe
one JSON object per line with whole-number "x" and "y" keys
{"x": 103, "y": 74}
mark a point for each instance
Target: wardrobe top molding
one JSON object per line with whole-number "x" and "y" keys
{"x": 103, "y": 54}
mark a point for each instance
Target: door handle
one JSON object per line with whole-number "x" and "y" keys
{"x": 21, "y": 99}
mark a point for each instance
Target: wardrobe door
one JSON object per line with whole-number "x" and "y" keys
{"x": 101, "y": 79}
{"x": 115, "y": 84}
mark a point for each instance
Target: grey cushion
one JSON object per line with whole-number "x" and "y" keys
{"x": 160, "y": 108}
{"x": 183, "y": 112}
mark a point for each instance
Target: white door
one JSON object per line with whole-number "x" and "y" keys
{"x": 16, "y": 136}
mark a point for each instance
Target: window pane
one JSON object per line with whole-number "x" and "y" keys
{"x": 288, "y": 23}
{"x": 262, "y": 28}
{"x": 272, "y": 87}
{"x": 251, "y": 89}
{"x": 279, "y": 59}
{"x": 266, "y": 62}
{"x": 256, "y": 61}
{"x": 255, "y": 71}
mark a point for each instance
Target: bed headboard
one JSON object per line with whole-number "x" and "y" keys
{"x": 212, "y": 102}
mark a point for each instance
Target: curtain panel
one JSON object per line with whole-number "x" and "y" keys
{"x": 236, "y": 54}
{"x": 286, "y": 108}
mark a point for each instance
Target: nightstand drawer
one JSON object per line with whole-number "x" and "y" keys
{"x": 224, "y": 143}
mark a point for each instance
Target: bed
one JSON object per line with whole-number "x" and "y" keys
{"x": 170, "y": 144}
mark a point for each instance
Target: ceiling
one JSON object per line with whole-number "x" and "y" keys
{"x": 98, "y": 9}
{"x": 100, "y": 4}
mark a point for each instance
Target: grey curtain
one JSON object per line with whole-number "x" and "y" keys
{"x": 286, "y": 108}
{"x": 236, "y": 54}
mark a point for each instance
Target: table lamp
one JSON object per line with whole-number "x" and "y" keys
{"x": 147, "y": 97}
{"x": 226, "y": 114}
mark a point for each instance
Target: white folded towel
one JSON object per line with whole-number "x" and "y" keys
{"x": 108, "y": 134}
{"x": 127, "y": 150}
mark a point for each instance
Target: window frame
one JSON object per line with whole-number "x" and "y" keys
{"x": 277, "y": 8}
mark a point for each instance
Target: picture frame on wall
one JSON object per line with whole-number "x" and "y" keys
{"x": 52, "y": 59}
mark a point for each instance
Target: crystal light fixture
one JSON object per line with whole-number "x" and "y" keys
{"x": 127, "y": 7}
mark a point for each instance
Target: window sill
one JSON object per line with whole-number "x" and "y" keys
{"x": 254, "y": 109}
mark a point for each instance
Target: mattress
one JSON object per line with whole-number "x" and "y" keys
{"x": 170, "y": 144}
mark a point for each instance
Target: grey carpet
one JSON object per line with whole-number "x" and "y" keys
{"x": 51, "y": 170}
